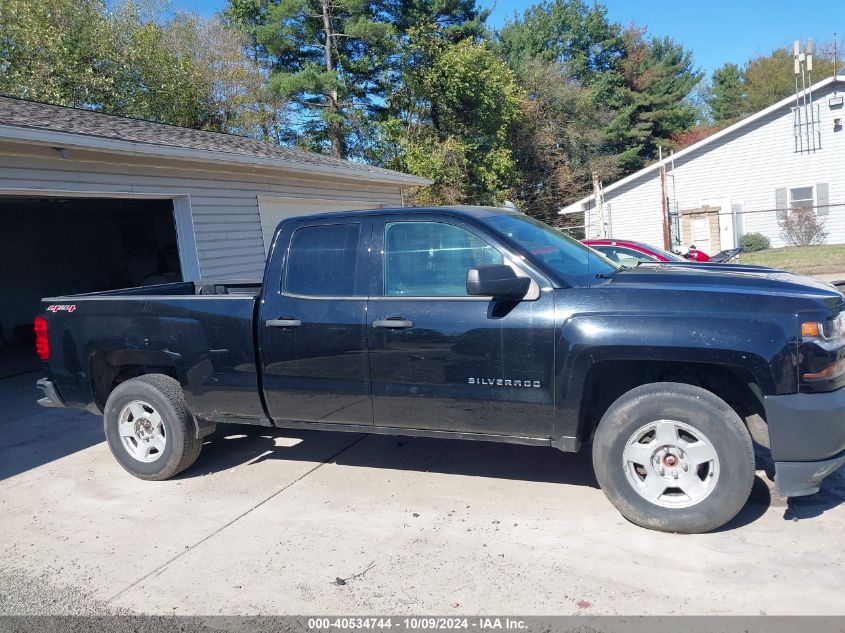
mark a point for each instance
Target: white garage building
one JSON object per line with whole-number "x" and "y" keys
{"x": 90, "y": 201}
{"x": 748, "y": 175}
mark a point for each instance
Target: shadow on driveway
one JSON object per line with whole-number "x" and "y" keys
{"x": 34, "y": 436}
{"x": 235, "y": 446}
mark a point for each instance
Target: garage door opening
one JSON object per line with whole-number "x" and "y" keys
{"x": 58, "y": 246}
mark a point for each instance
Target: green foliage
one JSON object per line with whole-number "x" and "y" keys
{"x": 451, "y": 122}
{"x": 182, "y": 71}
{"x": 569, "y": 32}
{"x": 46, "y": 50}
{"x": 642, "y": 87}
{"x": 752, "y": 242}
{"x": 558, "y": 140}
{"x": 727, "y": 93}
{"x": 449, "y": 20}
{"x": 770, "y": 78}
{"x": 328, "y": 57}
{"x": 651, "y": 105}
{"x": 419, "y": 85}
{"x": 739, "y": 92}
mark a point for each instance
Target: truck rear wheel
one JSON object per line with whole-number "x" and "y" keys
{"x": 674, "y": 457}
{"x": 149, "y": 429}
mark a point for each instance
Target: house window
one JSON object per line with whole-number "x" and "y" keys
{"x": 801, "y": 198}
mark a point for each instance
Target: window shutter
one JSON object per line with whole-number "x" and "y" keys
{"x": 780, "y": 203}
{"x": 822, "y": 201}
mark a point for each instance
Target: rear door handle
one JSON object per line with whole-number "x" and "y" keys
{"x": 283, "y": 322}
{"x": 397, "y": 323}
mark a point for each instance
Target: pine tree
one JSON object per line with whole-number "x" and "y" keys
{"x": 326, "y": 57}
{"x": 727, "y": 94}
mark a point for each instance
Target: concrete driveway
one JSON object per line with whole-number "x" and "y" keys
{"x": 283, "y": 522}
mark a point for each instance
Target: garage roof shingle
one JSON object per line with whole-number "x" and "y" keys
{"x": 41, "y": 116}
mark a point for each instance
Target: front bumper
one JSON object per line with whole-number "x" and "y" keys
{"x": 807, "y": 436}
{"x": 51, "y": 398}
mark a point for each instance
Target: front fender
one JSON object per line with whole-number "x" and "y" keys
{"x": 765, "y": 349}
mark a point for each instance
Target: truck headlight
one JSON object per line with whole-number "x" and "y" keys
{"x": 823, "y": 352}
{"x": 832, "y": 330}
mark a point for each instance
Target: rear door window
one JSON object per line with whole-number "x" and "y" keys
{"x": 323, "y": 261}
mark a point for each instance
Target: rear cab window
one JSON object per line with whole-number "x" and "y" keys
{"x": 323, "y": 261}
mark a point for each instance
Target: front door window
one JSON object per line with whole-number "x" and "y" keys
{"x": 431, "y": 259}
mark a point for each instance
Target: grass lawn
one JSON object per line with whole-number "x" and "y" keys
{"x": 807, "y": 260}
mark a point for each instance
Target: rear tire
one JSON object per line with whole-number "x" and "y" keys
{"x": 149, "y": 429}
{"x": 674, "y": 457}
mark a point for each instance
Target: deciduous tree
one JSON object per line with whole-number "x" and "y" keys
{"x": 453, "y": 120}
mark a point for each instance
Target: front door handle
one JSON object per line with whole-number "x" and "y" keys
{"x": 284, "y": 322}
{"x": 397, "y": 323}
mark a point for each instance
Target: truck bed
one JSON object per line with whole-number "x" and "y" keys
{"x": 202, "y": 332}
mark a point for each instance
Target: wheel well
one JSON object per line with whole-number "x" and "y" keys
{"x": 108, "y": 370}
{"x": 607, "y": 380}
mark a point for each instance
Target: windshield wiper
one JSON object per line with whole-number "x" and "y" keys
{"x": 611, "y": 275}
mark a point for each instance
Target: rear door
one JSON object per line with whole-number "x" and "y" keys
{"x": 313, "y": 324}
{"x": 443, "y": 360}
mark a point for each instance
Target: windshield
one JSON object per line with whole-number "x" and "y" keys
{"x": 567, "y": 260}
{"x": 672, "y": 257}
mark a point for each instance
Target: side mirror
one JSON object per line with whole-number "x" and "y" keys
{"x": 497, "y": 281}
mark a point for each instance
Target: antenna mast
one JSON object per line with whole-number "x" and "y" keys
{"x": 807, "y": 138}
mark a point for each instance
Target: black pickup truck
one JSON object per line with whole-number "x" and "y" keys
{"x": 474, "y": 323}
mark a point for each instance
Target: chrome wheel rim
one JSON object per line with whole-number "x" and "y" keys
{"x": 142, "y": 431}
{"x": 671, "y": 464}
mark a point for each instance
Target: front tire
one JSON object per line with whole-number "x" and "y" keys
{"x": 674, "y": 457}
{"x": 149, "y": 429}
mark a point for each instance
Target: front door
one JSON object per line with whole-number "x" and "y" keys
{"x": 443, "y": 360}
{"x": 313, "y": 327}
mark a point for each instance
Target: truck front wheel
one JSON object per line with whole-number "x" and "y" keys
{"x": 674, "y": 457}
{"x": 149, "y": 429}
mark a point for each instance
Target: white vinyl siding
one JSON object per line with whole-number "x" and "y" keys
{"x": 224, "y": 203}
{"x": 752, "y": 168}
{"x": 274, "y": 209}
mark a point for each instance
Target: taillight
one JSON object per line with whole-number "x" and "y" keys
{"x": 42, "y": 345}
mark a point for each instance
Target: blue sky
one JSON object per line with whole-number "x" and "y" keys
{"x": 716, "y": 30}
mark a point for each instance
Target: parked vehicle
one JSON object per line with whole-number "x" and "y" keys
{"x": 722, "y": 257}
{"x": 629, "y": 253}
{"x": 695, "y": 255}
{"x": 473, "y": 323}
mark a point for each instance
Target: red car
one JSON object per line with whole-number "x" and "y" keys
{"x": 628, "y": 253}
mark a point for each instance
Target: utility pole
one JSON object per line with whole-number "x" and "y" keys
{"x": 664, "y": 203}
{"x": 599, "y": 198}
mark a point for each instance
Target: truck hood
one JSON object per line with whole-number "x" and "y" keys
{"x": 724, "y": 278}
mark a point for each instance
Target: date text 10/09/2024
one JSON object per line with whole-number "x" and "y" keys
{"x": 416, "y": 623}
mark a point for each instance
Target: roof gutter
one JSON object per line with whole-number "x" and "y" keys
{"x": 131, "y": 148}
